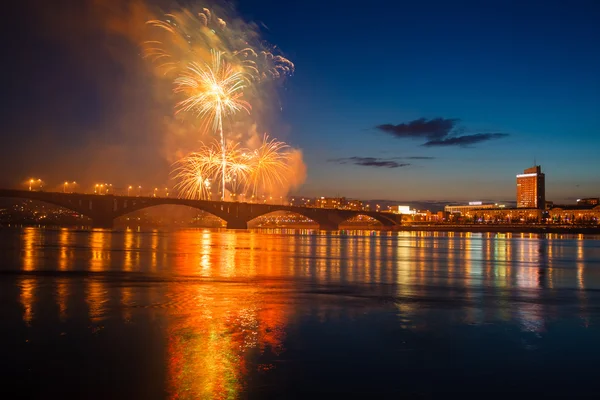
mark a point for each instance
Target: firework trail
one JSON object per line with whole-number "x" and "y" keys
{"x": 218, "y": 69}
{"x": 213, "y": 91}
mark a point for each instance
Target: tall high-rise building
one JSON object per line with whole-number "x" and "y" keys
{"x": 531, "y": 188}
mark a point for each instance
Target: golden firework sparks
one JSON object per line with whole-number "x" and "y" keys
{"x": 269, "y": 165}
{"x": 213, "y": 91}
{"x": 247, "y": 171}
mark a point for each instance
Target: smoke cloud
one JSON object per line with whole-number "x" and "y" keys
{"x": 100, "y": 110}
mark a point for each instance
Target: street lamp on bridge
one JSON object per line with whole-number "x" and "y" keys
{"x": 32, "y": 181}
{"x": 66, "y": 184}
{"x": 129, "y": 189}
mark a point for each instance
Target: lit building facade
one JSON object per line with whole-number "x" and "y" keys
{"x": 531, "y": 188}
{"x": 477, "y": 211}
{"x": 404, "y": 210}
{"x": 355, "y": 205}
{"x": 330, "y": 202}
{"x": 580, "y": 214}
{"x": 339, "y": 203}
{"x": 590, "y": 201}
{"x": 472, "y": 206}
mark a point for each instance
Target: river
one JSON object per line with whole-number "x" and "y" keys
{"x": 217, "y": 314}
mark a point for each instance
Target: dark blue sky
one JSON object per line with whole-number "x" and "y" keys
{"x": 517, "y": 80}
{"x": 530, "y": 69}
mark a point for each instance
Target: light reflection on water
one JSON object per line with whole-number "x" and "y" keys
{"x": 226, "y": 299}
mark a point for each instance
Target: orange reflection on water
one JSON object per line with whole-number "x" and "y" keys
{"x": 100, "y": 241}
{"x": 97, "y": 299}
{"x": 62, "y": 295}
{"x": 580, "y": 265}
{"x": 128, "y": 250}
{"x": 29, "y": 262}
{"x": 28, "y": 287}
{"x": 64, "y": 261}
{"x": 218, "y": 325}
{"x": 154, "y": 250}
{"x": 96, "y": 292}
{"x": 29, "y": 255}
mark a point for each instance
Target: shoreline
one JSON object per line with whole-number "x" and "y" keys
{"x": 595, "y": 230}
{"x": 478, "y": 228}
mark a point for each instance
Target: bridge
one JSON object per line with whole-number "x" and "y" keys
{"x": 104, "y": 209}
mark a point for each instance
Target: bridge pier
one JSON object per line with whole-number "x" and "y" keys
{"x": 329, "y": 226}
{"x": 105, "y": 223}
{"x": 237, "y": 224}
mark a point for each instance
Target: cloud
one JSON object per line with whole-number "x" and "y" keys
{"x": 416, "y": 158}
{"x": 437, "y": 132}
{"x": 432, "y": 129}
{"x": 465, "y": 140}
{"x": 369, "y": 162}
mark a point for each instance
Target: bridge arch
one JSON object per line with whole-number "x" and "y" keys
{"x": 328, "y": 219}
{"x": 75, "y": 207}
{"x": 227, "y": 211}
{"x": 169, "y": 214}
{"x": 325, "y": 218}
{"x": 273, "y": 219}
{"x": 386, "y": 219}
{"x": 362, "y": 220}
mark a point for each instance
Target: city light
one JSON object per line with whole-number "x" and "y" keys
{"x": 66, "y": 185}
{"x": 34, "y": 183}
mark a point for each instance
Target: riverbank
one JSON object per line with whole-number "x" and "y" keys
{"x": 591, "y": 230}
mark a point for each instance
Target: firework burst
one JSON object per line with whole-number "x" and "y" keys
{"x": 213, "y": 91}
{"x": 269, "y": 165}
{"x": 218, "y": 68}
{"x": 189, "y": 34}
{"x": 193, "y": 173}
{"x": 248, "y": 172}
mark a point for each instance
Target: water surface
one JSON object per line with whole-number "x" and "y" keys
{"x": 208, "y": 314}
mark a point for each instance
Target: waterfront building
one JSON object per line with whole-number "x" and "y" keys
{"x": 404, "y": 210}
{"x": 590, "y": 201}
{"x": 575, "y": 214}
{"x": 531, "y": 188}
{"x": 356, "y": 205}
{"x": 330, "y": 202}
{"x": 477, "y": 211}
{"x": 471, "y": 207}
